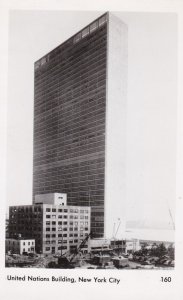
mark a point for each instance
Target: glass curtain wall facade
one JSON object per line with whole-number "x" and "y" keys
{"x": 69, "y": 121}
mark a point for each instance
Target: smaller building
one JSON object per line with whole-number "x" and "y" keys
{"x": 125, "y": 246}
{"x": 118, "y": 246}
{"x": 20, "y": 246}
{"x": 57, "y": 228}
{"x": 132, "y": 245}
{"x": 52, "y": 198}
{"x": 99, "y": 245}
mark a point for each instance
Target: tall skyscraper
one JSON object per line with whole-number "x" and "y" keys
{"x": 79, "y": 121}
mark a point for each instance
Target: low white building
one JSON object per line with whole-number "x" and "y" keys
{"x": 132, "y": 245}
{"x": 99, "y": 245}
{"x": 20, "y": 246}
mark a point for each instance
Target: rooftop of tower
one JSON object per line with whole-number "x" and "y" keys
{"x": 84, "y": 32}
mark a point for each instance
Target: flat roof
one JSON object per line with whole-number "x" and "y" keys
{"x": 70, "y": 38}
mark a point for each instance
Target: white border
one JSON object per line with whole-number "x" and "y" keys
{"x": 134, "y": 284}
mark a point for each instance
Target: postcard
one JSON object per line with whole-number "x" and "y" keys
{"x": 91, "y": 151}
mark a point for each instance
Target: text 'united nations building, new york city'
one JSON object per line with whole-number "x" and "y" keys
{"x": 80, "y": 121}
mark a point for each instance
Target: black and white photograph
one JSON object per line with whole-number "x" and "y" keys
{"x": 92, "y": 142}
{"x": 104, "y": 140}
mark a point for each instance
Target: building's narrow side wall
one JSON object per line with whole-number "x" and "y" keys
{"x": 115, "y": 159}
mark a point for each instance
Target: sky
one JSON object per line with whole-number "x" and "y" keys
{"x": 151, "y": 104}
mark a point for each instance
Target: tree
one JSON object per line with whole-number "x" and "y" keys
{"x": 161, "y": 250}
{"x": 171, "y": 251}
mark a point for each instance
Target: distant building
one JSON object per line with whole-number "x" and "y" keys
{"x": 20, "y": 246}
{"x": 132, "y": 245}
{"x": 119, "y": 246}
{"x": 53, "y": 198}
{"x": 55, "y": 226}
{"x": 97, "y": 245}
{"x": 125, "y": 246}
{"x": 80, "y": 121}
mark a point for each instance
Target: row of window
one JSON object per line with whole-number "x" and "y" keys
{"x": 88, "y": 145}
{"x": 53, "y": 248}
{"x": 57, "y": 97}
{"x": 68, "y": 134}
{"x": 76, "y": 143}
{"x": 15, "y": 213}
{"x": 55, "y": 85}
{"x": 92, "y": 177}
{"x": 79, "y": 120}
{"x": 95, "y": 42}
{"x": 73, "y": 93}
{"x": 75, "y": 74}
{"x": 77, "y": 167}
{"x": 62, "y": 100}
{"x": 61, "y": 241}
{"x": 62, "y": 146}
{"x": 59, "y": 101}
{"x": 71, "y": 106}
{"x": 90, "y": 91}
{"x": 72, "y": 58}
{"x": 88, "y": 187}
{"x": 69, "y": 154}
{"x": 88, "y": 136}
{"x": 27, "y": 250}
{"x": 76, "y": 132}
{"x": 83, "y": 186}
{"x": 51, "y": 82}
{"x": 86, "y": 31}
{"x": 65, "y": 223}
{"x": 29, "y": 243}
{"x": 25, "y": 228}
{"x": 76, "y": 129}
{"x": 62, "y": 56}
{"x": 83, "y": 148}
{"x": 74, "y": 154}
{"x": 29, "y": 215}
{"x": 66, "y": 216}
{"x": 64, "y": 235}
{"x": 66, "y": 229}
{"x": 24, "y": 243}
{"x": 67, "y": 210}
{"x": 70, "y": 130}
{"x": 26, "y": 209}
{"x": 76, "y": 175}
